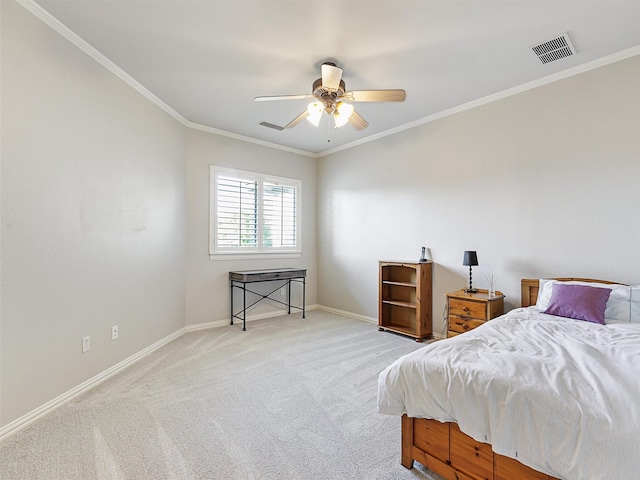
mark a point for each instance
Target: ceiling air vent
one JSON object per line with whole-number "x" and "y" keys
{"x": 271, "y": 125}
{"x": 554, "y": 49}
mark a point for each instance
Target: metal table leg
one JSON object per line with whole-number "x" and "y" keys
{"x": 244, "y": 307}
{"x": 231, "y": 290}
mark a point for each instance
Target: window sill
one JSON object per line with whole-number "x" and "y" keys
{"x": 252, "y": 256}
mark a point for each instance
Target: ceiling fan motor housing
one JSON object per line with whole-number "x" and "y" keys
{"x": 319, "y": 90}
{"x": 327, "y": 96}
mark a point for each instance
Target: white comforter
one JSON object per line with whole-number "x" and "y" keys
{"x": 560, "y": 395}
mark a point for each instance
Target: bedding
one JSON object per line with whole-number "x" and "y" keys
{"x": 635, "y": 303}
{"x": 560, "y": 395}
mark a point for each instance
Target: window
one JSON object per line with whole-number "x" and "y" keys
{"x": 252, "y": 213}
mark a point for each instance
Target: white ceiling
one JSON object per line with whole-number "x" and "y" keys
{"x": 207, "y": 60}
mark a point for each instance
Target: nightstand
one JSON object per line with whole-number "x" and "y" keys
{"x": 466, "y": 311}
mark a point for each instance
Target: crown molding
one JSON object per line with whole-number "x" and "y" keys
{"x": 63, "y": 30}
{"x": 601, "y": 62}
{"x": 205, "y": 128}
{"x": 75, "y": 39}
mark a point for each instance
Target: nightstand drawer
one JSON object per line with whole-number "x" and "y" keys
{"x": 466, "y": 308}
{"x": 467, "y": 311}
{"x": 462, "y": 324}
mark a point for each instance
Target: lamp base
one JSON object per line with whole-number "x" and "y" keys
{"x": 471, "y": 290}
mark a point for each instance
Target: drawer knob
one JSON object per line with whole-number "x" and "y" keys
{"x": 466, "y": 310}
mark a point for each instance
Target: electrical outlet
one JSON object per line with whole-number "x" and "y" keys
{"x": 86, "y": 344}
{"x": 114, "y": 332}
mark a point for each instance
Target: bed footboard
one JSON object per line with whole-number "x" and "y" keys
{"x": 443, "y": 448}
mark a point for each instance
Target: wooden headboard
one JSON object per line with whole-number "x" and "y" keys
{"x": 530, "y": 286}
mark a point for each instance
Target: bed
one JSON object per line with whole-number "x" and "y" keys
{"x": 529, "y": 395}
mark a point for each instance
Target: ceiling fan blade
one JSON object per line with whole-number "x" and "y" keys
{"x": 331, "y": 76}
{"x": 297, "y": 120}
{"x": 395, "y": 95}
{"x": 283, "y": 97}
{"x": 357, "y": 121}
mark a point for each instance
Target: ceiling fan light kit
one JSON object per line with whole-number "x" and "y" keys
{"x": 315, "y": 113}
{"x": 329, "y": 94}
{"x": 343, "y": 113}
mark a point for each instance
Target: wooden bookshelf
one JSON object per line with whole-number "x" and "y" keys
{"x": 405, "y": 298}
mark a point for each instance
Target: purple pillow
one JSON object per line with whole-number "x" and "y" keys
{"x": 579, "y": 302}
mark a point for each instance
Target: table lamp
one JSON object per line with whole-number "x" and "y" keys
{"x": 470, "y": 260}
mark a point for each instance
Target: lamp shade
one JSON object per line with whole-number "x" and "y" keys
{"x": 315, "y": 112}
{"x": 470, "y": 258}
{"x": 342, "y": 114}
{"x": 331, "y": 76}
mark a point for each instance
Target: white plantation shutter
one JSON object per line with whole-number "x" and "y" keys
{"x": 253, "y": 213}
{"x": 279, "y": 215}
{"x": 237, "y": 212}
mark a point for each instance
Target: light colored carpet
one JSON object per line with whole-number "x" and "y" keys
{"x": 290, "y": 398}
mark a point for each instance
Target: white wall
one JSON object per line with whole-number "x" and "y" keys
{"x": 207, "y": 285}
{"x": 543, "y": 183}
{"x": 105, "y": 207}
{"x": 98, "y": 190}
{"x": 93, "y": 222}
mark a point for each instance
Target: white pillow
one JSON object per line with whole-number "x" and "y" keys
{"x": 635, "y": 303}
{"x": 619, "y": 306}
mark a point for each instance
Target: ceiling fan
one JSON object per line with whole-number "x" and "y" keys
{"x": 329, "y": 95}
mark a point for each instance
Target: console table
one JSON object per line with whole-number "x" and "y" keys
{"x": 283, "y": 275}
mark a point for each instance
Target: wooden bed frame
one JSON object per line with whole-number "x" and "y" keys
{"x": 443, "y": 448}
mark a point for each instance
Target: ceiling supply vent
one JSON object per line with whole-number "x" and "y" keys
{"x": 271, "y": 125}
{"x": 554, "y": 49}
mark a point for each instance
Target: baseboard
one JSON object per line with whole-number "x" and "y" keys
{"x": 343, "y": 313}
{"x": 59, "y": 401}
{"x": 38, "y": 413}
{"x": 364, "y": 318}
{"x": 250, "y": 318}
